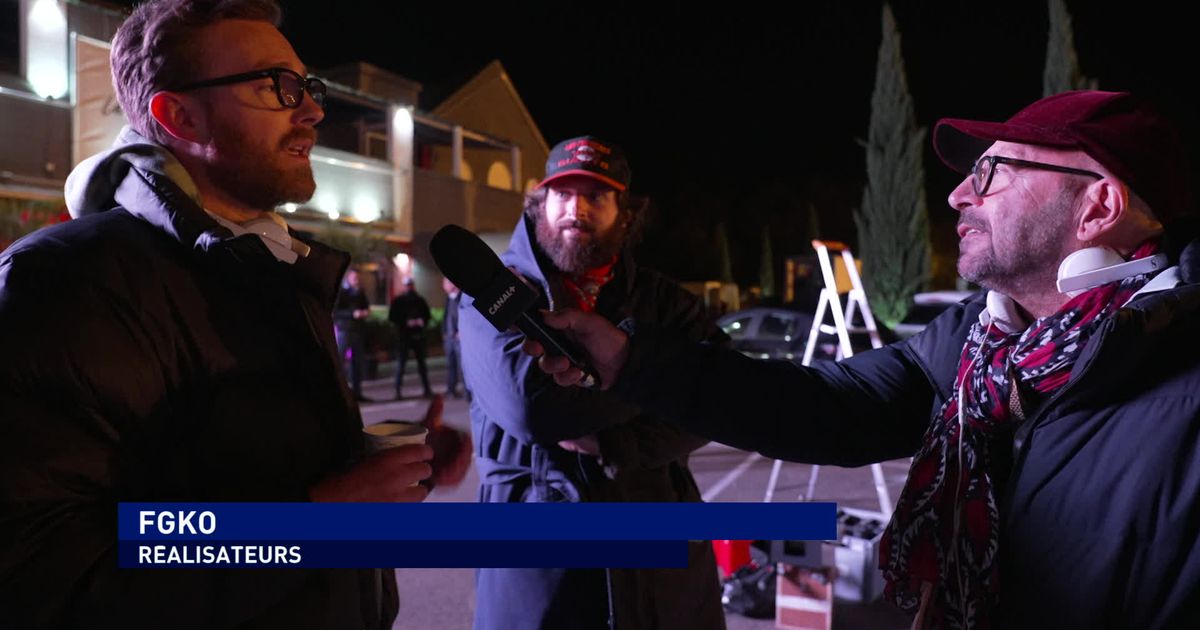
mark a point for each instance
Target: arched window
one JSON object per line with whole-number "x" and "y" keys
{"x": 499, "y": 176}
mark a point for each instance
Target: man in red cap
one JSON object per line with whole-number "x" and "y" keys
{"x": 542, "y": 443}
{"x": 1053, "y": 419}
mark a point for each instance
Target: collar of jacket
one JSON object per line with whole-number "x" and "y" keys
{"x": 163, "y": 204}
{"x": 1152, "y": 326}
{"x": 148, "y": 181}
{"x": 1141, "y": 330}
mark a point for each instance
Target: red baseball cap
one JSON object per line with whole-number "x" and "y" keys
{"x": 1117, "y": 129}
{"x": 590, "y": 157}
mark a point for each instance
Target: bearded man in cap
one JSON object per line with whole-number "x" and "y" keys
{"x": 541, "y": 443}
{"x": 1053, "y": 419}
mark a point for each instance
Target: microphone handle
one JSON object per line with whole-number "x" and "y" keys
{"x": 552, "y": 341}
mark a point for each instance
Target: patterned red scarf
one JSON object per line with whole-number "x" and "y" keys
{"x": 585, "y": 287}
{"x": 944, "y": 535}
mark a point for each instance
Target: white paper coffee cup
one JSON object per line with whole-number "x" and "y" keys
{"x": 393, "y": 433}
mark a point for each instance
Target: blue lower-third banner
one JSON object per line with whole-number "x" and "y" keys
{"x": 349, "y": 535}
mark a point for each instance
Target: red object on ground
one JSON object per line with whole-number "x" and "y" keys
{"x": 804, "y": 598}
{"x": 731, "y": 555}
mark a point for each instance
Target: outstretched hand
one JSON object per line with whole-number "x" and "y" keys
{"x": 606, "y": 345}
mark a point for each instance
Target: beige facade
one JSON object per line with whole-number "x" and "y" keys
{"x": 490, "y": 103}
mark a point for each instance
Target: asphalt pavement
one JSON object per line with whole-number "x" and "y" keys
{"x": 444, "y": 599}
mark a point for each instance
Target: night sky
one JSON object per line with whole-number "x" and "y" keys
{"x": 747, "y": 112}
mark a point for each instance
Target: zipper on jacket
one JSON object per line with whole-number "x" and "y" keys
{"x": 1021, "y": 435}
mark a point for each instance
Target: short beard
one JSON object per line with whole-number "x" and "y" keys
{"x": 260, "y": 181}
{"x": 1041, "y": 239}
{"x": 576, "y": 258}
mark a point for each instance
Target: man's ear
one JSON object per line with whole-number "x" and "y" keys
{"x": 1105, "y": 204}
{"x": 180, "y": 117}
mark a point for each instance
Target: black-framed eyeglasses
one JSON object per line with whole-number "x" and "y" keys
{"x": 985, "y": 168}
{"x": 289, "y": 85}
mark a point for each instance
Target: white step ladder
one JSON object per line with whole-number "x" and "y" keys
{"x": 856, "y": 303}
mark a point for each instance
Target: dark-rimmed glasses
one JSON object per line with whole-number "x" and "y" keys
{"x": 289, "y": 85}
{"x": 985, "y": 168}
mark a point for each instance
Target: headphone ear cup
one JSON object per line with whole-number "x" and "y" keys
{"x": 1088, "y": 259}
{"x": 1094, "y": 266}
{"x": 1004, "y": 313}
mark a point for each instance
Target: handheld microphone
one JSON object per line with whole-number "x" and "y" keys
{"x": 499, "y": 295}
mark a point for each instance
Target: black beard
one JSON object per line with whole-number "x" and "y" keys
{"x": 576, "y": 258}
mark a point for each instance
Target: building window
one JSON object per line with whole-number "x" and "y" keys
{"x": 377, "y": 145}
{"x": 774, "y": 327}
{"x": 498, "y": 176}
{"x": 10, "y": 37}
{"x": 738, "y": 329}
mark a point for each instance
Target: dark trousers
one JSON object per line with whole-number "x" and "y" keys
{"x": 453, "y": 365}
{"x": 352, "y": 341}
{"x": 417, "y": 345}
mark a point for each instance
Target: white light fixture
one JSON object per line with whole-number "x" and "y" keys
{"x": 46, "y": 52}
{"x": 290, "y": 207}
{"x": 403, "y": 263}
{"x": 403, "y": 122}
{"x": 46, "y": 15}
{"x": 365, "y": 209}
{"x": 327, "y": 202}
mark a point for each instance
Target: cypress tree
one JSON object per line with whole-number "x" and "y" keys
{"x": 766, "y": 265}
{"x": 1062, "y": 65}
{"x": 893, "y": 222}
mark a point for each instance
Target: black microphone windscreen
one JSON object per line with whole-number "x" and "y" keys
{"x": 497, "y": 293}
{"x": 464, "y": 258}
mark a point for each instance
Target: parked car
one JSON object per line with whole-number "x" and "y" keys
{"x": 765, "y": 332}
{"x": 926, "y": 307}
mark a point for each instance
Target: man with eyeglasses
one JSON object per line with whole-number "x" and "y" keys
{"x": 1053, "y": 419}
{"x": 174, "y": 342}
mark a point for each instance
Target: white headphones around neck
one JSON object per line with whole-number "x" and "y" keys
{"x": 1094, "y": 266}
{"x": 1082, "y": 270}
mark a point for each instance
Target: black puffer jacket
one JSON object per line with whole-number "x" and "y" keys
{"x": 149, "y": 355}
{"x": 1101, "y": 516}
